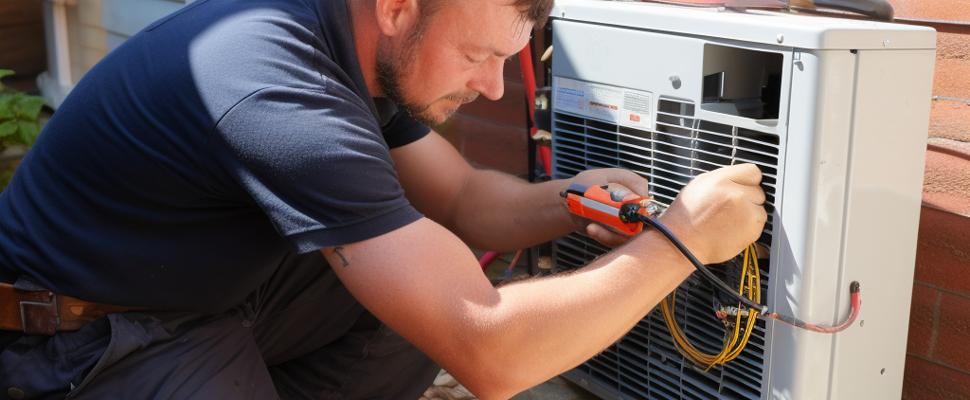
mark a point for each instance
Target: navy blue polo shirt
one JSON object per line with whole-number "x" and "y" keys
{"x": 185, "y": 165}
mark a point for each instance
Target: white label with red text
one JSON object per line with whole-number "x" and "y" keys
{"x": 618, "y": 105}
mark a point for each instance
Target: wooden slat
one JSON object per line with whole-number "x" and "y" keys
{"x": 22, "y": 32}
{"x": 21, "y": 12}
{"x": 22, "y": 48}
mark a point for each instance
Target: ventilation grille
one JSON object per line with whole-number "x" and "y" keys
{"x": 645, "y": 364}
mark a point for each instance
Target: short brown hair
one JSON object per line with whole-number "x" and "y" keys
{"x": 535, "y": 10}
{"x": 531, "y": 10}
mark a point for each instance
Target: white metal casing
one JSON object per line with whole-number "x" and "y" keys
{"x": 852, "y": 130}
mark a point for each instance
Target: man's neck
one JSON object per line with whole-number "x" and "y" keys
{"x": 366, "y": 35}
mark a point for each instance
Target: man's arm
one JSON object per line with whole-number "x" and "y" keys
{"x": 424, "y": 283}
{"x": 490, "y": 209}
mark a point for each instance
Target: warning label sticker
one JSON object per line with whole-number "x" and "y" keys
{"x": 627, "y": 107}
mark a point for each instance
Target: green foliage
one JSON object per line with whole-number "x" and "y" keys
{"x": 19, "y": 123}
{"x": 19, "y": 115}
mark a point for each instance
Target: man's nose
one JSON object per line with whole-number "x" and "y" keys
{"x": 490, "y": 81}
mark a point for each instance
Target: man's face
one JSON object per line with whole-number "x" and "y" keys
{"x": 450, "y": 57}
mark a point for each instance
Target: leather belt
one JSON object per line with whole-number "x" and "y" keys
{"x": 42, "y": 312}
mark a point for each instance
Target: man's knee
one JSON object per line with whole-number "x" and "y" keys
{"x": 370, "y": 362}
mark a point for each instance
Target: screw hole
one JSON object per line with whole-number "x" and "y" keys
{"x": 675, "y": 81}
{"x": 882, "y": 371}
{"x": 862, "y": 323}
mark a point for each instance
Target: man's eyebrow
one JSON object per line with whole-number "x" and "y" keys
{"x": 498, "y": 53}
{"x": 489, "y": 50}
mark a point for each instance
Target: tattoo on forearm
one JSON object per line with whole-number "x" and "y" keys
{"x": 337, "y": 251}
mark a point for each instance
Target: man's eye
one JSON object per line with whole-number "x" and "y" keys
{"x": 474, "y": 60}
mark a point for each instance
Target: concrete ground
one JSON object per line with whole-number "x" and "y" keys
{"x": 447, "y": 388}
{"x": 556, "y": 389}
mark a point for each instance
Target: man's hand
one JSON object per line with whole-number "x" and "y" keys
{"x": 719, "y": 212}
{"x": 619, "y": 180}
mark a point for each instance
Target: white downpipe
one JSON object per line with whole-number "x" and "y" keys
{"x": 57, "y": 81}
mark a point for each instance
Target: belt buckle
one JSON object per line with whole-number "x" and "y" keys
{"x": 39, "y": 317}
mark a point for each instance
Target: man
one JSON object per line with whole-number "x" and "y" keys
{"x": 237, "y": 183}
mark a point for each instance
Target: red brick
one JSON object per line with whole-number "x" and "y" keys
{"x": 922, "y": 320}
{"x": 949, "y": 10}
{"x": 943, "y": 250}
{"x": 494, "y": 146}
{"x": 510, "y": 110}
{"x": 950, "y": 119}
{"x": 953, "y": 334}
{"x": 952, "y": 65}
{"x": 947, "y": 177}
{"x": 452, "y": 136}
{"x": 925, "y": 380}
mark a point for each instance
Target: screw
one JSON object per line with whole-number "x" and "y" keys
{"x": 675, "y": 81}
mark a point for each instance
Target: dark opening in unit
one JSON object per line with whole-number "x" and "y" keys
{"x": 742, "y": 82}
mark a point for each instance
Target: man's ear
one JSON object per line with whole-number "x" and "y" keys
{"x": 395, "y": 17}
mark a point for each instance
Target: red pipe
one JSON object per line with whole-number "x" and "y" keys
{"x": 488, "y": 258}
{"x": 529, "y": 80}
{"x": 545, "y": 154}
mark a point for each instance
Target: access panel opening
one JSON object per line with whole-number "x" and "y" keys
{"x": 742, "y": 82}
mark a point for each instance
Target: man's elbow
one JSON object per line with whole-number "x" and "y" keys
{"x": 490, "y": 368}
{"x": 492, "y": 382}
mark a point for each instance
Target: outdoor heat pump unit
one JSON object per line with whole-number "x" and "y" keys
{"x": 833, "y": 111}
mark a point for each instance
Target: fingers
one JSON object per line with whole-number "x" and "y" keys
{"x": 631, "y": 180}
{"x": 742, "y": 174}
{"x": 616, "y": 176}
{"x": 754, "y": 194}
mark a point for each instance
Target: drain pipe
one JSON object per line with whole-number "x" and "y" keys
{"x": 56, "y": 82}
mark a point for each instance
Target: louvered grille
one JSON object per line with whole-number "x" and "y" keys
{"x": 645, "y": 363}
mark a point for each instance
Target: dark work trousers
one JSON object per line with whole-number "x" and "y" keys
{"x": 301, "y": 335}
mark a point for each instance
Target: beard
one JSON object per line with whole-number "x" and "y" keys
{"x": 394, "y": 63}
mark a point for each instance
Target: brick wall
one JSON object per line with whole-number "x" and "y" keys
{"x": 493, "y": 134}
{"x": 938, "y": 355}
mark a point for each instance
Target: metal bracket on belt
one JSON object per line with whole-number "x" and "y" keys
{"x": 40, "y": 316}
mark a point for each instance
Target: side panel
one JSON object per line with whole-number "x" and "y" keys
{"x": 808, "y": 239}
{"x": 882, "y": 208}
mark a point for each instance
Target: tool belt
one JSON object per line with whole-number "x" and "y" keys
{"x": 42, "y": 312}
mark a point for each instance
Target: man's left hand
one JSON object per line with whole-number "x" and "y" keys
{"x": 621, "y": 180}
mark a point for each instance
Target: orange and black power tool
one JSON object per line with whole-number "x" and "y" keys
{"x": 618, "y": 211}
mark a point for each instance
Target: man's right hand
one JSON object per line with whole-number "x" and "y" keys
{"x": 719, "y": 213}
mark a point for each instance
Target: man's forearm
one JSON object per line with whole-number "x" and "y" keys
{"x": 540, "y": 332}
{"x": 498, "y": 211}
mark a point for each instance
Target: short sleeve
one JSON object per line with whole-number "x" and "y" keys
{"x": 315, "y": 161}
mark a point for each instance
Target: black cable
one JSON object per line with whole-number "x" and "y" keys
{"x": 705, "y": 272}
